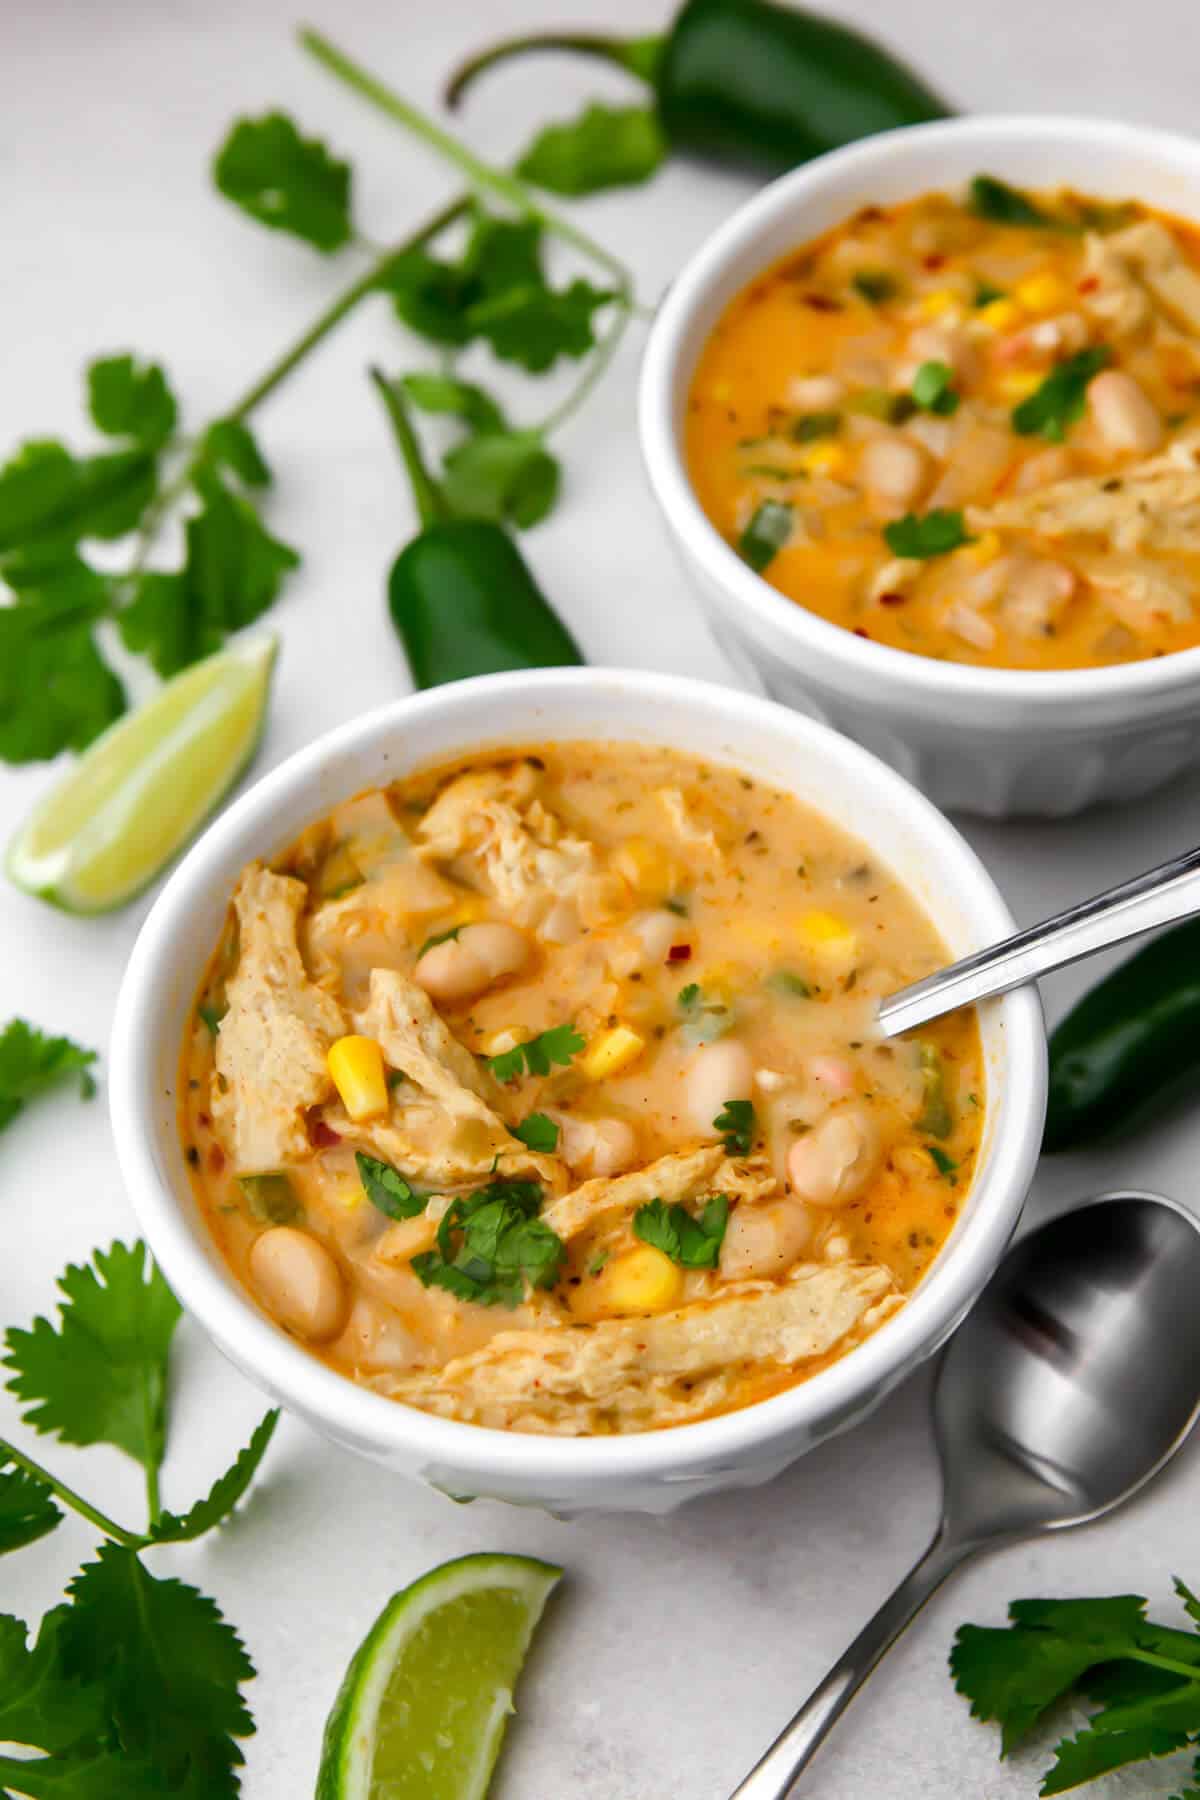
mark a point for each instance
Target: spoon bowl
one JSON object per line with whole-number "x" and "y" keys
{"x": 1074, "y": 1380}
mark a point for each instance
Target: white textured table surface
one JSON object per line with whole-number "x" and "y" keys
{"x": 678, "y": 1647}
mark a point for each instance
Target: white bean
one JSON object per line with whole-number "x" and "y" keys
{"x": 1123, "y": 413}
{"x": 814, "y": 393}
{"x": 1046, "y": 467}
{"x": 894, "y": 473}
{"x": 299, "y": 1283}
{"x": 717, "y": 1073}
{"x": 763, "y": 1241}
{"x": 465, "y": 965}
{"x": 592, "y": 1147}
{"x": 833, "y": 1163}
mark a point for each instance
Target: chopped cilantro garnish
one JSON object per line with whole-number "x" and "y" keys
{"x": 491, "y": 1244}
{"x": 785, "y": 981}
{"x": 806, "y": 428}
{"x": 881, "y": 403}
{"x": 766, "y": 534}
{"x": 945, "y": 1165}
{"x": 210, "y": 1016}
{"x": 989, "y": 198}
{"x": 538, "y": 1054}
{"x": 1062, "y": 397}
{"x": 679, "y": 907}
{"x": 537, "y": 1132}
{"x": 31, "y": 1062}
{"x": 688, "y": 997}
{"x": 692, "y": 1243}
{"x": 438, "y": 937}
{"x": 738, "y": 1122}
{"x": 931, "y": 534}
{"x": 986, "y": 292}
{"x": 933, "y": 389}
{"x": 875, "y": 285}
{"x": 387, "y": 1189}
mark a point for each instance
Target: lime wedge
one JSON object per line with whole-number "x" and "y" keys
{"x": 422, "y": 1711}
{"x": 139, "y": 792}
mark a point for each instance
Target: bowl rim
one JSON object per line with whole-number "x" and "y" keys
{"x": 921, "y": 678}
{"x": 347, "y": 1410}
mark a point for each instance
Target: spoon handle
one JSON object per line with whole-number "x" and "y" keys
{"x": 1158, "y": 897}
{"x": 775, "y": 1776}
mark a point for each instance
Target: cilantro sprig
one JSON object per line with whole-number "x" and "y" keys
{"x": 491, "y": 1245}
{"x": 31, "y": 1062}
{"x": 693, "y": 1243}
{"x": 738, "y": 1122}
{"x": 387, "y": 1190}
{"x": 537, "y": 1055}
{"x": 1061, "y": 400}
{"x": 538, "y": 1132}
{"x": 926, "y": 534}
{"x": 1142, "y": 1679}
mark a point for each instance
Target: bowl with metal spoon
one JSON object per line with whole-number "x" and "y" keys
{"x": 1073, "y": 1382}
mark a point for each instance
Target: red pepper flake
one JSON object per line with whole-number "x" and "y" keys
{"x": 679, "y": 953}
{"x": 859, "y": 632}
{"x": 933, "y": 262}
{"x": 822, "y": 303}
{"x": 323, "y": 1136}
{"x": 216, "y": 1158}
{"x": 1089, "y": 284}
{"x": 202, "y": 1118}
{"x": 891, "y": 598}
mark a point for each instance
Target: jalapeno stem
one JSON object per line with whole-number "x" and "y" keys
{"x": 430, "y": 504}
{"x": 639, "y": 56}
{"x": 480, "y": 174}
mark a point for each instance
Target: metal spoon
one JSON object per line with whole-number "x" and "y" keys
{"x": 1158, "y": 897}
{"x": 1071, "y": 1384}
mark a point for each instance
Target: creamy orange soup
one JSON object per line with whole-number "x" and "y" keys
{"x": 545, "y": 1093}
{"x": 969, "y": 427}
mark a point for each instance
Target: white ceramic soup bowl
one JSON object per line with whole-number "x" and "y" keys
{"x": 994, "y": 741}
{"x": 655, "y": 1471}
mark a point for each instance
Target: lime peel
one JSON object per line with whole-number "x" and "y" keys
{"x": 140, "y": 791}
{"x": 422, "y": 1711}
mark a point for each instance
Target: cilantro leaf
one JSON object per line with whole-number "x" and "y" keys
{"x": 497, "y": 291}
{"x": 128, "y": 400}
{"x": 945, "y": 1165}
{"x": 230, "y": 445}
{"x": 47, "y": 495}
{"x": 538, "y": 1132}
{"x": 538, "y": 1054}
{"x": 40, "y": 1704}
{"x": 605, "y": 147}
{"x": 27, "y": 1510}
{"x": 56, "y": 690}
{"x": 1095, "y": 1753}
{"x": 438, "y": 937}
{"x": 446, "y": 394}
{"x": 738, "y": 1122}
{"x": 31, "y": 1062}
{"x": 232, "y": 572}
{"x": 169, "y": 1667}
{"x": 491, "y": 1244}
{"x": 507, "y": 476}
{"x": 690, "y": 1242}
{"x": 930, "y": 534}
{"x": 933, "y": 389}
{"x": 223, "y": 1496}
{"x": 688, "y": 998}
{"x": 875, "y": 285}
{"x": 765, "y": 535}
{"x": 990, "y": 198}
{"x": 285, "y": 181}
{"x": 1061, "y": 399}
{"x": 387, "y": 1189}
{"x": 101, "y": 1376}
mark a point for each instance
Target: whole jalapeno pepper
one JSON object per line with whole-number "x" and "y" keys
{"x": 1130, "y": 1047}
{"x": 460, "y": 594}
{"x": 751, "y": 81}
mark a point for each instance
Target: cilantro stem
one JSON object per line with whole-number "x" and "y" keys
{"x": 605, "y": 350}
{"x": 481, "y": 174}
{"x": 69, "y": 1497}
{"x": 1190, "y": 1670}
{"x": 429, "y": 501}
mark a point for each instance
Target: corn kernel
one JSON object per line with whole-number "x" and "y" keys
{"x": 355, "y": 1066}
{"x": 984, "y": 550}
{"x": 647, "y": 867}
{"x": 349, "y": 1195}
{"x": 939, "y": 302}
{"x": 829, "y": 937}
{"x": 1018, "y": 384}
{"x": 1041, "y": 293}
{"x": 644, "y": 1280}
{"x": 999, "y": 315}
{"x": 611, "y": 1051}
{"x": 825, "y": 459}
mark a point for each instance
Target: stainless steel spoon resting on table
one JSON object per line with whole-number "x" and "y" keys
{"x": 1159, "y": 897}
{"x": 1073, "y": 1381}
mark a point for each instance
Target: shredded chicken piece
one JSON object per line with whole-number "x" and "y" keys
{"x": 271, "y": 1045}
{"x": 1140, "y": 594}
{"x": 530, "y": 861}
{"x": 636, "y": 1374}
{"x": 376, "y": 920}
{"x": 684, "y": 825}
{"x": 417, "y": 1141}
{"x": 1150, "y": 505}
{"x": 416, "y": 1040}
{"x": 675, "y": 1176}
{"x": 1139, "y": 268}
